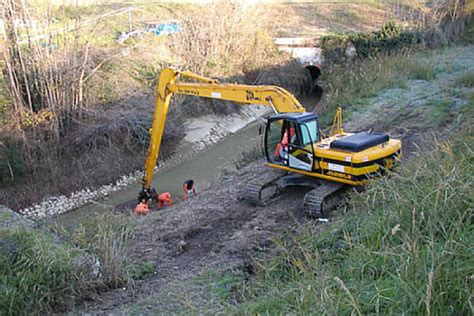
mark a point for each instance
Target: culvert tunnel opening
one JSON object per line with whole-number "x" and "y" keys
{"x": 311, "y": 97}
{"x": 314, "y": 71}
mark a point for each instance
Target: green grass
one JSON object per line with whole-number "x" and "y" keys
{"x": 466, "y": 80}
{"x": 439, "y": 111}
{"x": 419, "y": 71}
{"x": 350, "y": 87}
{"x": 220, "y": 286}
{"x": 40, "y": 274}
{"x": 5, "y": 216}
{"x": 405, "y": 246}
{"x": 139, "y": 271}
{"x": 36, "y": 273}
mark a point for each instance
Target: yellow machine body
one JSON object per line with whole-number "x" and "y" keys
{"x": 347, "y": 167}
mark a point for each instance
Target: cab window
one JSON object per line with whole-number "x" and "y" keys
{"x": 309, "y": 132}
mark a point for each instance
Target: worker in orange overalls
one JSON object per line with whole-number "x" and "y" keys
{"x": 164, "y": 198}
{"x": 142, "y": 208}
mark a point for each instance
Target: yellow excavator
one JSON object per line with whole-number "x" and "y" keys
{"x": 294, "y": 145}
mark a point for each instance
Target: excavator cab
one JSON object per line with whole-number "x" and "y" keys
{"x": 289, "y": 140}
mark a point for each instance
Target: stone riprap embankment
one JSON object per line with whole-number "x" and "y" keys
{"x": 57, "y": 205}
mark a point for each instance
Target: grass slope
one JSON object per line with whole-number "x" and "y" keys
{"x": 405, "y": 246}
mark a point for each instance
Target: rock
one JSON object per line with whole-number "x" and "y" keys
{"x": 181, "y": 245}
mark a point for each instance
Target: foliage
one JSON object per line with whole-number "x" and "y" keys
{"x": 101, "y": 92}
{"x": 218, "y": 40}
{"x": 41, "y": 274}
{"x": 138, "y": 271}
{"x": 350, "y": 87}
{"x": 5, "y": 106}
{"x": 390, "y": 38}
{"x": 221, "y": 286}
{"x": 436, "y": 25}
{"x": 468, "y": 35}
{"x": 106, "y": 235}
{"x": 36, "y": 272}
{"x": 405, "y": 246}
{"x": 12, "y": 165}
{"x": 466, "y": 80}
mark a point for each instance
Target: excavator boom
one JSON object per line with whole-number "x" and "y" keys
{"x": 280, "y": 100}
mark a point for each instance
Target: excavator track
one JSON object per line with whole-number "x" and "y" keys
{"x": 323, "y": 196}
{"x": 261, "y": 190}
{"x": 322, "y": 199}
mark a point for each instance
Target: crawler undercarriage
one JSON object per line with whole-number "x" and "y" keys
{"x": 323, "y": 195}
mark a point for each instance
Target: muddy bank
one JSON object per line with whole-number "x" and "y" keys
{"x": 214, "y": 231}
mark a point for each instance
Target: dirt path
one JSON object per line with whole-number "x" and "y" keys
{"x": 216, "y": 233}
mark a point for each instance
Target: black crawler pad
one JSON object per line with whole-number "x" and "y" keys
{"x": 262, "y": 189}
{"x": 323, "y": 197}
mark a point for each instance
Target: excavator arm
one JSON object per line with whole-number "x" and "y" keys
{"x": 280, "y": 100}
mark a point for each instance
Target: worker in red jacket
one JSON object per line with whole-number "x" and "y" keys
{"x": 142, "y": 208}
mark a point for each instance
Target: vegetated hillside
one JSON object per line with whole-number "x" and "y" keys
{"x": 75, "y": 107}
{"x": 217, "y": 254}
{"x": 405, "y": 244}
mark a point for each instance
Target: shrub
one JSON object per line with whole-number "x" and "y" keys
{"x": 390, "y": 38}
{"x": 12, "y": 165}
{"x": 466, "y": 80}
{"x": 39, "y": 274}
{"x": 106, "y": 235}
{"x": 139, "y": 271}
